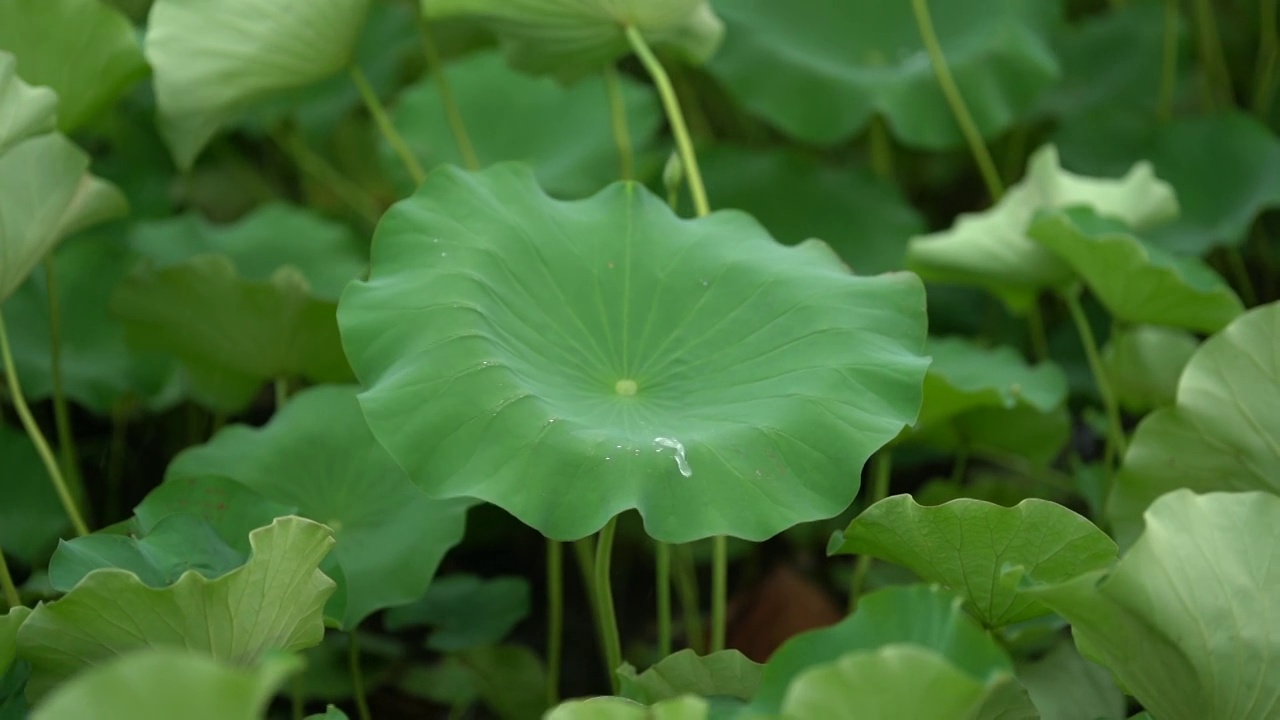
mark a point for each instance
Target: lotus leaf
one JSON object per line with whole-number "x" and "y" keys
{"x": 727, "y": 673}
{"x": 24, "y": 110}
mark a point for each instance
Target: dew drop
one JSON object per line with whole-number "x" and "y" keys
{"x": 706, "y": 283}
{"x": 443, "y": 254}
{"x": 682, "y": 462}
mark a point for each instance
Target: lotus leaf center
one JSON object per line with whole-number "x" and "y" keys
{"x": 625, "y": 387}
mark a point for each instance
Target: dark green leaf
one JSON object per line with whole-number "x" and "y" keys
{"x": 465, "y": 611}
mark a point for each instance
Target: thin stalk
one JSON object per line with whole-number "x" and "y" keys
{"x": 719, "y": 590}
{"x": 686, "y": 578}
{"x": 586, "y": 556}
{"x": 37, "y": 437}
{"x": 357, "y": 676}
{"x": 555, "y": 619}
{"x": 11, "y": 596}
{"x": 1169, "y": 61}
{"x": 618, "y": 116}
{"x": 61, "y": 416}
{"x": 881, "y": 148}
{"x": 664, "y": 598}
{"x": 1035, "y": 327}
{"x": 881, "y": 470}
{"x": 699, "y": 124}
{"x": 1215, "y": 65}
{"x": 1072, "y": 298}
{"x": 951, "y": 91}
{"x": 115, "y": 463}
{"x": 1264, "y": 83}
{"x": 675, "y": 117}
{"x": 453, "y": 113}
{"x": 1241, "y": 272}
{"x": 604, "y": 601}
{"x": 296, "y": 702}
{"x": 960, "y": 468}
{"x": 281, "y": 386}
{"x": 383, "y": 121}
{"x": 312, "y": 163}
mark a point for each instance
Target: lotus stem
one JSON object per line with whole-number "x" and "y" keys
{"x": 663, "y": 573}
{"x": 618, "y": 115}
{"x": 1035, "y": 327}
{"x": 881, "y": 471}
{"x": 686, "y": 578}
{"x": 1169, "y": 61}
{"x": 11, "y": 596}
{"x": 383, "y": 121}
{"x": 297, "y": 702}
{"x": 881, "y": 147}
{"x": 61, "y": 416}
{"x": 951, "y": 91}
{"x": 675, "y": 117}
{"x": 1264, "y": 83}
{"x": 1117, "y": 439}
{"x": 357, "y": 675}
{"x": 1241, "y": 272}
{"x": 719, "y": 591}
{"x": 585, "y": 553}
{"x": 555, "y": 619}
{"x": 453, "y": 113}
{"x": 312, "y": 163}
{"x": 281, "y": 387}
{"x": 1217, "y": 77}
{"x": 37, "y": 437}
{"x": 604, "y": 601}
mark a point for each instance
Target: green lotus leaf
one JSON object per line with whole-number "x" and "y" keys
{"x": 331, "y": 713}
{"x": 24, "y": 110}
{"x": 865, "y": 220}
{"x": 176, "y": 545}
{"x": 981, "y": 550}
{"x": 9, "y": 624}
{"x": 568, "y": 361}
{"x": 1137, "y": 282}
{"x": 865, "y": 59}
{"x": 1185, "y": 619}
{"x": 991, "y": 249}
{"x": 727, "y": 673}
{"x": 891, "y": 682}
{"x": 570, "y": 38}
{"x": 232, "y": 509}
{"x": 316, "y": 454}
{"x": 45, "y": 195}
{"x": 1224, "y": 168}
{"x": 99, "y": 369}
{"x": 687, "y": 707}
{"x": 274, "y": 601}
{"x": 214, "y": 59}
{"x": 159, "y": 684}
{"x": 1066, "y": 686}
{"x": 509, "y": 679}
{"x": 927, "y": 617}
{"x": 565, "y": 132}
{"x": 84, "y": 50}
{"x": 31, "y": 516}
{"x": 1221, "y": 434}
{"x": 1144, "y": 363}
{"x": 964, "y": 376}
{"x": 465, "y": 610}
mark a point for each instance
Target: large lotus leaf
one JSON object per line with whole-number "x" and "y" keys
{"x": 1186, "y": 619}
{"x": 1144, "y": 363}
{"x": 1225, "y": 168}
{"x": 232, "y": 509}
{"x": 464, "y": 610}
{"x": 317, "y": 455}
{"x": 920, "y": 615}
{"x": 45, "y": 194}
{"x": 231, "y": 334}
{"x": 274, "y": 601}
{"x": 573, "y": 37}
{"x": 964, "y": 375}
{"x": 1066, "y": 686}
{"x": 867, "y": 58}
{"x": 565, "y": 132}
{"x": 981, "y": 549}
{"x": 213, "y": 59}
{"x": 727, "y": 673}
{"x": 1137, "y": 282}
{"x": 991, "y": 249}
{"x": 24, "y": 110}
{"x": 178, "y": 544}
{"x": 160, "y": 684}
{"x": 687, "y": 707}
{"x": 99, "y": 369}
{"x": 31, "y": 516}
{"x": 568, "y": 361}
{"x": 9, "y": 624}
{"x": 1021, "y": 430}
{"x": 1222, "y": 434}
{"x": 888, "y": 683}
{"x": 84, "y": 50}
{"x": 864, "y": 219}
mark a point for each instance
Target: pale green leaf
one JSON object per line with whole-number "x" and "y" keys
{"x": 24, "y": 110}
{"x": 1145, "y": 363}
{"x": 727, "y": 673}
{"x": 615, "y": 708}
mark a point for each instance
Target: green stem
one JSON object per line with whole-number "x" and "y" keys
{"x": 1169, "y": 61}
{"x": 881, "y": 471}
{"x": 6, "y": 584}
{"x": 296, "y": 700}
{"x": 555, "y": 619}
{"x": 881, "y": 147}
{"x": 1241, "y": 272}
{"x": 1035, "y": 327}
{"x": 453, "y": 113}
{"x": 115, "y": 463}
{"x": 686, "y": 577}
{"x": 281, "y": 387}
{"x": 664, "y": 598}
{"x": 1072, "y": 298}
{"x": 960, "y": 467}
{"x": 61, "y": 415}
{"x": 674, "y": 117}
{"x": 719, "y": 591}
{"x": 37, "y": 437}
{"x": 357, "y": 676}
{"x": 383, "y": 121}
{"x": 1215, "y": 65}
{"x": 618, "y": 116}
{"x": 604, "y": 601}
{"x": 1268, "y": 57}
{"x": 951, "y": 91}
{"x": 312, "y": 163}
{"x": 586, "y": 557}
